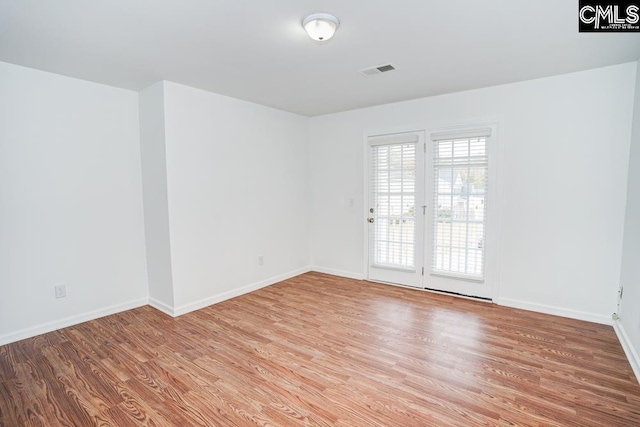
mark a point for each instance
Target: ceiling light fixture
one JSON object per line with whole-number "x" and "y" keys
{"x": 320, "y": 26}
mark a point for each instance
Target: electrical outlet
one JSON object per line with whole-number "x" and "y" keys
{"x": 260, "y": 259}
{"x": 61, "y": 291}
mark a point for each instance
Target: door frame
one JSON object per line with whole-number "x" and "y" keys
{"x": 497, "y": 202}
{"x": 420, "y": 224}
{"x": 365, "y": 206}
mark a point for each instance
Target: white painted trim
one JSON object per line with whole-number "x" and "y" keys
{"x": 159, "y": 305}
{"x": 501, "y": 199}
{"x": 339, "y": 273}
{"x": 556, "y": 311}
{"x": 365, "y": 209}
{"x": 411, "y": 277}
{"x": 205, "y": 302}
{"x": 486, "y": 286}
{"x": 165, "y": 308}
{"x": 369, "y": 133}
{"x": 629, "y": 350}
{"x": 70, "y": 321}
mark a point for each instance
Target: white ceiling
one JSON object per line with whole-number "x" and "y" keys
{"x": 258, "y": 51}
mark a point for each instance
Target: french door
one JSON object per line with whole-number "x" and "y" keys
{"x": 427, "y": 210}
{"x": 396, "y": 222}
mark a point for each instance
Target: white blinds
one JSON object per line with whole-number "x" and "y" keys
{"x": 461, "y": 134}
{"x": 393, "y": 139}
{"x": 460, "y": 163}
{"x": 393, "y": 196}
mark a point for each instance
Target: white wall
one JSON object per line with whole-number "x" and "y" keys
{"x": 237, "y": 181}
{"x": 156, "y": 205}
{"x": 630, "y": 278}
{"x": 70, "y": 201}
{"x": 242, "y": 180}
{"x": 565, "y": 144}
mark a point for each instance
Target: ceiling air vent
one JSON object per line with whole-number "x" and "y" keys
{"x": 377, "y": 70}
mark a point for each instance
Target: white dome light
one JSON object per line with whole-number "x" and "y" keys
{"x": 320, "y": 26}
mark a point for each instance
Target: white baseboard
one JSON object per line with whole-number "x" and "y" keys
{"x": 159, "y": 305}
{"x": 196, "y": 305}
{"x": 629, "y": 350}
{"x": 556, "y": 311}
{"x": 70, "y": 321}
{"x": 340, "y": 273}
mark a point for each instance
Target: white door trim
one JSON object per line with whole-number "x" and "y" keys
{"x": 497, "y": 170}
{"x": 495, "y": 206}
{"x": 365, "y": 162}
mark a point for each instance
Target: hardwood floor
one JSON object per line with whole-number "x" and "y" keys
{"x": 322, "y": 350}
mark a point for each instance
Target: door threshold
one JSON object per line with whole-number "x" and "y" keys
{"x": 436, "y": 291}
{"x": 458, "y": 294}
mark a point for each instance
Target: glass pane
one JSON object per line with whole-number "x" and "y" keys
{"x": 394, "y": 172}
{"x": 460, "y": 187}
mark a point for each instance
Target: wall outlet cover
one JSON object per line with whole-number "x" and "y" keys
{"x": 61, "y": 291}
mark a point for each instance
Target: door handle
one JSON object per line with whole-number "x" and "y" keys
{"x": 370, "y": 220}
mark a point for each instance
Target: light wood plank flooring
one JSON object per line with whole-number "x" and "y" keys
{"x": 321, "y": 350}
